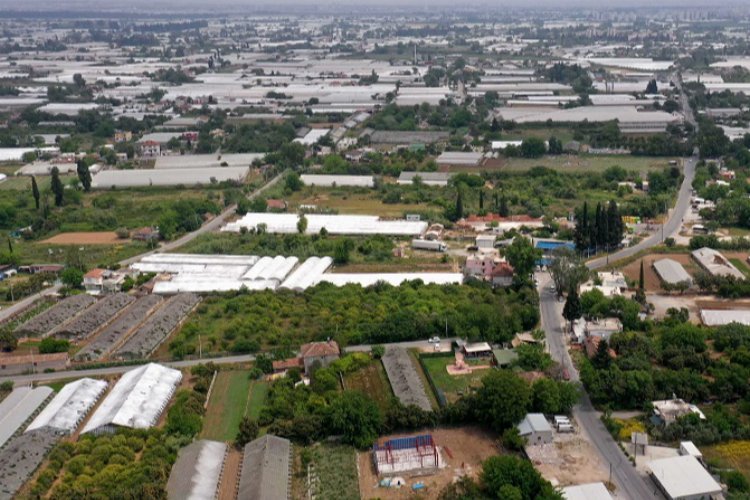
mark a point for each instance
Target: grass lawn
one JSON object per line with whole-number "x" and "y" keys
{"x": 413, "y": 354}
{"x": 364, "y": 202}
{"x": 581, "y": 163}
{"x": 258, "y": 394}
{"x": 373, "y": 381}
{"x": 336, "y": 468}
{"x": 451, "y": 385}
{"x": 740, "y": 264}
{"x": 227, "y": 405}
{"x": 92, "y": 255}
{"x": 734, "y": 454}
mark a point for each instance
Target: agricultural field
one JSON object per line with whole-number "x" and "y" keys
{"x": 580, "y": 163}
{"x": 333, "y": 471}
{"x": 734, "y": 454}
{"x": 233, "y": 396}
{"x": 373, "y": 381}
{"x": 453, "y": 386}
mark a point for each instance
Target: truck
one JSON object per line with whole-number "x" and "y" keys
{"x": 431, "y": 245}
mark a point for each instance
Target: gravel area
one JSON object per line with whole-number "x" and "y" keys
{"x": 407, "y": 386}
{"x": 158, "y": 327}
{"x": 57, "y": 315}
{"x": 118, "y": 330}
{"x": 21, "y": 457}
{"x": 98, "y": 315}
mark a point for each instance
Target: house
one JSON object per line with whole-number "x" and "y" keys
{"x": 535, "y": 428}
{"x": 283, "y": 365}
{"x": 667, "y": 411}
{"x": 684, "y": 478}
{"x": 689, "y": 448}
{"x": 477, "y": 350}
{"x": 603, "y": 327}
{"x": 149, "y": 149}
{"x": 523, "y": 338}
{"x": 26, "y": 363}
{"x": 485, "y": 242}
{"x": 480, "y": 265}
{"x": 41, "y": 268}
{"x": 502, "y": 275}
{"x": 322, "y": 353}
{"x": 99, "y": 281}
{"x": 123, "y": 136}
{"x": 274, "y": 205}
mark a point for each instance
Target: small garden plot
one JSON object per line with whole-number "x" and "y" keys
{"x": 373, "y": 381}
{"x": 332, "y": 471}
{"x": 258, "y": 395}
{"x": 62, "y": 312}
{"x": 453, "y": 386}
{"x": 97, "y": 316}
{"x": 227, "y": 405}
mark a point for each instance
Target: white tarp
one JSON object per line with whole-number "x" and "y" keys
{"x": 70, "y": 405}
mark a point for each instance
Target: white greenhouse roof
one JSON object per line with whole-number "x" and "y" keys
{"x": 313, "y": 136}
{"x": 395, "y": 279}
{"x": 17, "y": 407}
{"x": 683, "y": 477}
{"x": 334, "y": 224}
{"x": 70, "y": 405}
{"x": 197, "y": 471}
{"x": 719, "y": 317}
{"x": 207, "y": 161}
{"x": 138, "y": 398}
{"x": 167, "y": 177}
{"x": 338, "y": 180}
{"x": 307, "y": 274}
{"x": 671, "y": 271}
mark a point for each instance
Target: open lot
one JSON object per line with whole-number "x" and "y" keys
{"x": 85, "y": 238}
{"x": 227, "y": 406}
{"x": 332, "y": 471}
{"x": 350, "y": 201}
{"x": 463, "y": 450}
{"x": 569, "y": 459}
{"x": 373, "y": 381}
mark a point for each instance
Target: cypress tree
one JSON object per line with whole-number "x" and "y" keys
{"x": 84, "y": 175}
{"x": 57, "y": 187}
{"x": 641, "y": 279}
{"x": 459, "y": 205}
{"x": 481, "y": 200}
{"x": 35, "y": 191}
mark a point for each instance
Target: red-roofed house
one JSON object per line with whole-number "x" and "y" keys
{"x": 502, "y": 275}
{"x": 322, "y": 352}
{"x": 276, "y": 205}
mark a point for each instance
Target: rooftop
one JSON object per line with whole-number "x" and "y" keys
{"x": 683, "y": 477}
{"x": 534, "y": 422}
{"x": 265, "y": 472}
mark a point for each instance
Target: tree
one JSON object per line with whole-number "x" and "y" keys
{"x": 652, "y": 87}
{"x": 582, "y": 229}
{"x": 533, "y": 147}
{"x": 555, "y": 146}
{"x": 57, "y": 186}
{"x": 512, "y": 440}
{"x": 572, "y": 310}
{"x": 503, "y": 399}
{"x": 292, "y": 182}
{"x": 522, "y": 255}
{"x": 84, "y": 175}
{"x": 481, "y": 199}
{"x": 8, "y": 341}
{"x": 615, "y": 226}
{"x": 602, "y": 359}
{"x": 356, "y": 417}
{"x": 504, "y": 211}
{"x": 72, "y": 277}
{"x": 567, "y": 270}
{"x": 504, "y": 471}
{"x": 459, "y": 212}
{"x": 52, "y": 345}
{"x": 35, "y": 192}
{"x": 78, "y": 80}
{"x": 247, "y": 432}
{"x": 342, "y": 251}
{"x": 302, "y": 224}
{"x": 545, "y": 396}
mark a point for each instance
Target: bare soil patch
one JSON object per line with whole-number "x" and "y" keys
{"x": 463, "y": 450}
{"x": 229, "y": 476}
{"x": 85, "y": 238}
{"x": 570, "y": 459}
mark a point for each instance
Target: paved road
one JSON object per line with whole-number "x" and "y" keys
{"x": 670, "y": 227}
{"x": 628, "y": 482}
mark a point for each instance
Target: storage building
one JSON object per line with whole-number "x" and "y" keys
{"x": 266, "y": 469}
{"x": 671, "y": 272}
{"x": 197, "y": 471}
{"x": 535, "y": 428}
{"x": 18, "y": 407}
{"x": 684, "y": 478}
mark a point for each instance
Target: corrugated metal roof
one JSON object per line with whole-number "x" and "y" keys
{"x": 671, "y": 271}
{"x": 266, "y": 469}
{"x": 18, "y": 407}
{"x": 683, "y": 477}
{"x": 338, "y": 180}
{"x": 197, "y": 471}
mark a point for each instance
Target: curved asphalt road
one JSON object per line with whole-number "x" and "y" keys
{"x": 628, "y": 482}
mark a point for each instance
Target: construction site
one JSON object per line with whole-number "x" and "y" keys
{"x": 408, "y": 454}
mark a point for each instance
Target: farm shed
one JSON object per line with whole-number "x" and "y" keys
{"x": 460, "y": 159}
{"x": 207, "y": 161}
{"x": 427, "y": 178}
{"x": 70, "y": 406}
{"x": 166, "y": 177}
{"x": 313, "y": 136}
{"x": 589, "y": 491}
{"x": 18, "y": 407}
{"x": 334, "y": 224}
{"x": 266, "y": 469}
{"x": 715, "y": 263}
{"x": 670, "y": 271}
{"x": 404, "y": 379}
{"x": 683, "y": 478}
{"x": 338, "y": 180}
{"x": 197, "y": 471}
{"x": 137, "y": 399}
{"x": 535, "y": 428}
{"x": 21, "y": 457}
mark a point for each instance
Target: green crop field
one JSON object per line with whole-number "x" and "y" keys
{"x": 258, "y": 394}
{"x": 227, "y": 406}
{"x": 373, "y": 381}
{"x": 579, "y": 163}
{"x": 336, "y": 469}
